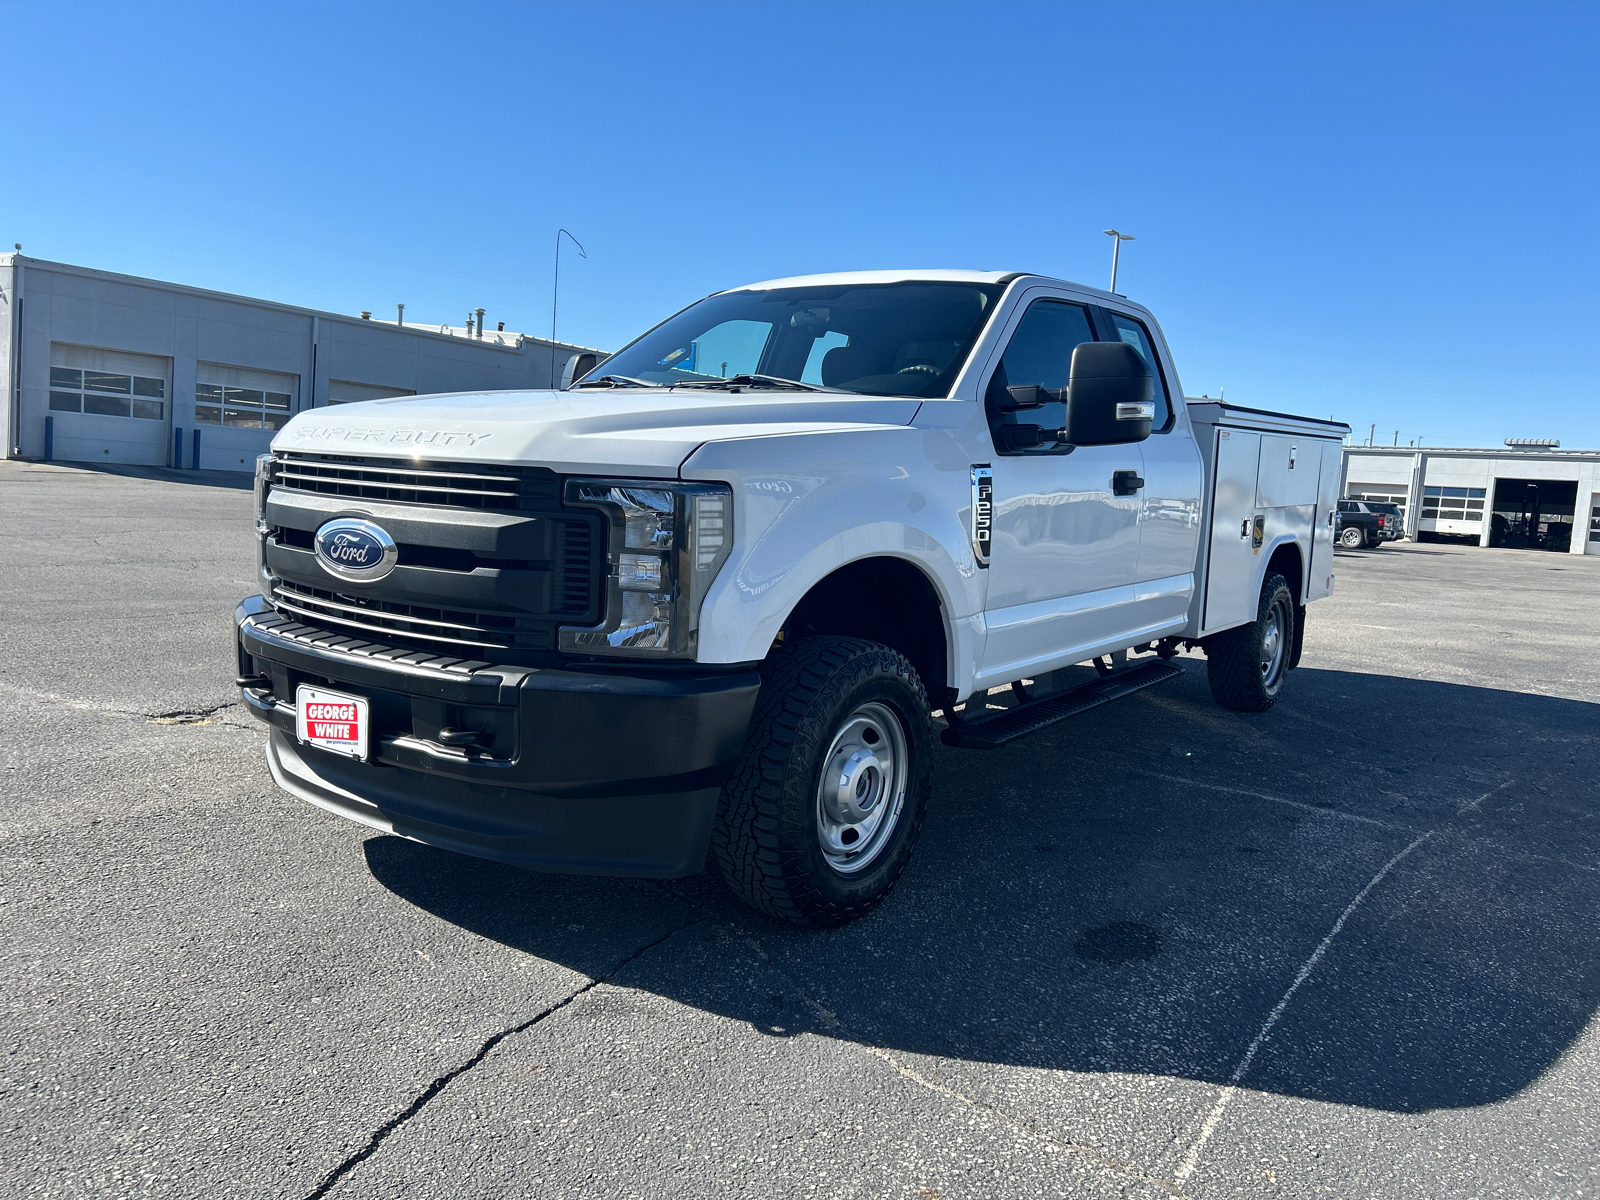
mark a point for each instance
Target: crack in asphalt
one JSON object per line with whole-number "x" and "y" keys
{"x": 177, "y": 716}
{"x": 381, "y": 1134}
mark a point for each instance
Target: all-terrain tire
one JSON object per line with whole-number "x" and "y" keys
{"x": 1247, "y": 666}
{"x": 766, "y": 838}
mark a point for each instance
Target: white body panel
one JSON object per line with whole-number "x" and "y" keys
{"x": 1319, "y": 582}
{"x": 821, "y": 480}
{"x": 1272, "y": 481}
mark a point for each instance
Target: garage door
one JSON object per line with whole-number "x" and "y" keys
{"x": 109, "y": 405}
{"x": 237, "y": 410}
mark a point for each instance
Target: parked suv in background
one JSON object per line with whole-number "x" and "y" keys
{"x": 1387, "y": 526}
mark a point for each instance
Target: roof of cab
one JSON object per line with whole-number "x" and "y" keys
{"x": 838, "y": 277}
{"x": 944, "y": 275}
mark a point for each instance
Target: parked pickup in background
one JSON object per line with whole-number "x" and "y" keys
{"x": 1360, "y": 527}
{"x": 1392, "y": 524}
{"x": 711, "y": 598}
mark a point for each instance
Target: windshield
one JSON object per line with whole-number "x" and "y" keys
{"x": 888, "y": 339}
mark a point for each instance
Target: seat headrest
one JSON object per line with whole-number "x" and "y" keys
{"x": 845, "y": 363}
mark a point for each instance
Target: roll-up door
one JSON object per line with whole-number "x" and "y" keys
{"x": 109, "y": 405}
{"x": 237, "y": 410}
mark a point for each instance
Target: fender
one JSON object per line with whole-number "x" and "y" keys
{"x": 1271, "y": 548}
{"x": 798, "y": 508}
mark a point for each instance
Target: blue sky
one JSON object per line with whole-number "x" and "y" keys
{"x": 1383, "y": 213}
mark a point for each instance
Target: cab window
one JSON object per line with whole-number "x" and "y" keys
{"x": 1039, "y": 353}
{"x": 1134, "y": 333}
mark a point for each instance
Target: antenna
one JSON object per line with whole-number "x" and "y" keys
{"x": 555, "y": 293}
{"x": 1116, "y": 245}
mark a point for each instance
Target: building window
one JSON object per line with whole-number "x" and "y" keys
{"x": 242, "y": 398}
{"x": 106, "y": 394}
{"x": 1594, "y": 524}
{"x": 243, "y": 408}
{"x": 1452, "y": 504}
{"x": 1381, "y": 493}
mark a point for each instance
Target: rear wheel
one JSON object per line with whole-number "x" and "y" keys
{"x": 820, "y": 819}
{"x": 1247, "y": 666}
{"x": 1353, "y": 538}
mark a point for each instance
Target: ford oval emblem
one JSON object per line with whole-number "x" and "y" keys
{"x": 357, "y": 551}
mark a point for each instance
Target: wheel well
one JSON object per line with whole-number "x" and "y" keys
{"x": 1285, "y": 561}
{"x": 884, "y": 600}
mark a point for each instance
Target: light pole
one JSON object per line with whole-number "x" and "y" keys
{"x": 555, "y": 294}
{"x": 1116, "y": 246}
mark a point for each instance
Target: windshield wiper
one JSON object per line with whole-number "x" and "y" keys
{"x": 749, "y": 380}
{"x": 617, "y": 381}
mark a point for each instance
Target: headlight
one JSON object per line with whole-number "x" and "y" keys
{"x": 666, "y": 542}
{"x": 263, "y": 486}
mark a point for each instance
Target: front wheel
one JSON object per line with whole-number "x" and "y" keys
{"x": 820, "y": 818}
{"x": 1247, "y": 666}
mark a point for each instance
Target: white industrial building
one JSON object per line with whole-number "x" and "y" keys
{"x": 108, "y": 368}
{"x": 1527, "y": 495}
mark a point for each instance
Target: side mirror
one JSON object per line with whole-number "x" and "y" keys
{"x": 1110, "y": 396}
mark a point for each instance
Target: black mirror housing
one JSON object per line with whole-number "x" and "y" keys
{"x": 1110, "y": 396}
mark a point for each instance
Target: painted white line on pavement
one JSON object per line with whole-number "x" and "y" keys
{"x": 1233, "y": 791}
{"x": 1192, "y": 1158}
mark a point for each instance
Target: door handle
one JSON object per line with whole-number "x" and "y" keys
{"x": 1125, "y": 483}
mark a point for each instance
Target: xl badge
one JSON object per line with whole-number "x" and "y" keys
{"x": 358, "y": 551}
{"x": 982, "y": 513}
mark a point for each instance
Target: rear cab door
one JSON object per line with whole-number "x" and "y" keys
{"x": 1174, "y": 478}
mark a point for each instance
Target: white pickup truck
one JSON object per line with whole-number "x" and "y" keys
{"x": 711, "y": 597}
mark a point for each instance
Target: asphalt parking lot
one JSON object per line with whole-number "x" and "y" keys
{"x": 1345, "y": 948}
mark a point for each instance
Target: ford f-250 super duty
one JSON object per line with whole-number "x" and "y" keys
{"x": 710, "y": 597}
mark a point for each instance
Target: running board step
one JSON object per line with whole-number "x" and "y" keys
{"x": 995, "y": 730}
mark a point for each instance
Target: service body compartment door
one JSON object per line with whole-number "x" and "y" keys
{"x": 1231, "y": 597}
{"x": 1288, "y": 473}
{"x": 1320, "y": 582}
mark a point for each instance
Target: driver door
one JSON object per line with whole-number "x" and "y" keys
{"x": 1065, "y": 547}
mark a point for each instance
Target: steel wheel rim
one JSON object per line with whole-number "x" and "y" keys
{"x": 862, "y": 788}
{"x": 1275, "y": 644}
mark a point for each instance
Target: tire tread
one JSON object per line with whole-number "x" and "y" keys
{"x": 766, "y": 806}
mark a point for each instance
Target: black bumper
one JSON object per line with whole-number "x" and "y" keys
{"x": 596, "y": 773}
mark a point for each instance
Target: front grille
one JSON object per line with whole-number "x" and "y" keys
{"x": 438, "y": 627}
{"x": 441, "y": 598}
{"x": 398, "y": 481}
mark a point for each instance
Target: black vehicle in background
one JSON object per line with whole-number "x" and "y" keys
{"x": 1356, "y": 529}
{"x": 1390, "y": 519}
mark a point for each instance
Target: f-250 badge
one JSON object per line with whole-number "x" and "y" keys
{"x": 982, "y": 512}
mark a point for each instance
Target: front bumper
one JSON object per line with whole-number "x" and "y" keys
{"x": 587, "y": 771}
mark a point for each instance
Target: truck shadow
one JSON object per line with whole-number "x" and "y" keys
{"x": 1134, "y": 891}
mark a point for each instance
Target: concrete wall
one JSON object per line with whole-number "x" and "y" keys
{"x": 8, "y": 324}
{"x": 79, "y": 306}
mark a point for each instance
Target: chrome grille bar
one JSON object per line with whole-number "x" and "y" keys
{"x": 319, "y": 617}
{"x": 378, "y": 612}
{"x": 308, "y": 464}
{"x": 403, "y": 485}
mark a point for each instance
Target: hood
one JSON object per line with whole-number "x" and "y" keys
{"x": 650, "y": 432}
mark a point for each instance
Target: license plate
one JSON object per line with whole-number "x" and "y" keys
{"x": 332, "y": 721}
